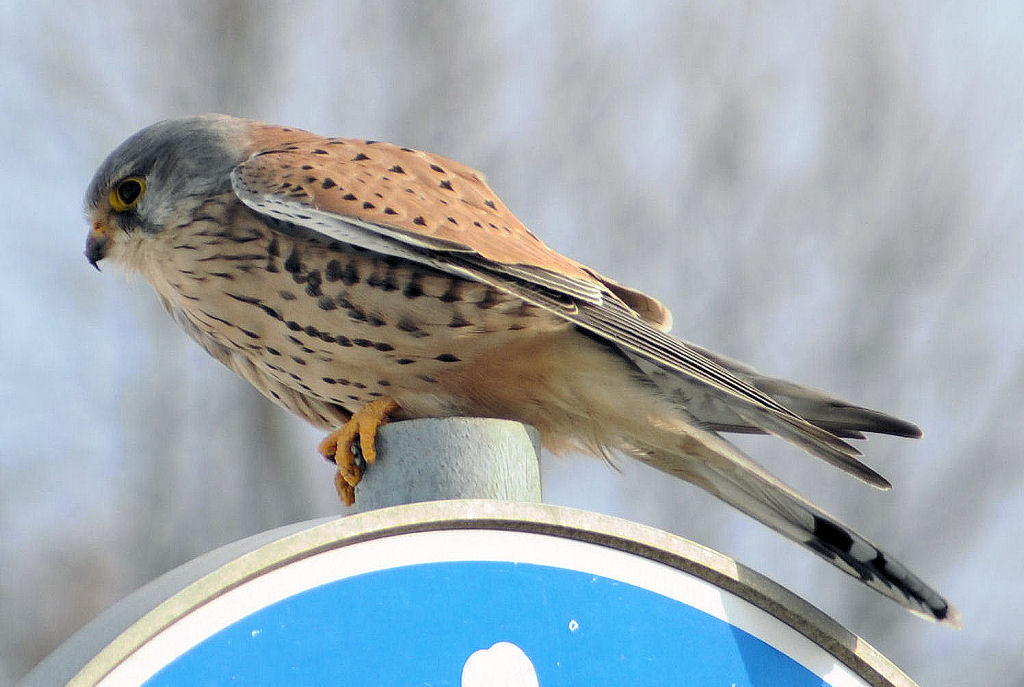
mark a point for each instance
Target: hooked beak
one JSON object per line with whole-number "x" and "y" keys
{"x": 97, "y": 243}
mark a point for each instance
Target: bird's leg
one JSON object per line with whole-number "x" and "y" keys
{"x": 339, "y": 446}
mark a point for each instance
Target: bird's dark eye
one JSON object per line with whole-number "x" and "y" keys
{"x": 127, "y": 193}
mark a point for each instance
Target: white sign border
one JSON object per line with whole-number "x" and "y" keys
{"x": 471, "y": 545}
{"x": 117, "y": 634}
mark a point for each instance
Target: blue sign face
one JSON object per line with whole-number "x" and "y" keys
{"x": 481, "y": 623}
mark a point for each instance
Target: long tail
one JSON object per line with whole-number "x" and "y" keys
{"x": 834, "y": 415}
{"x": 706, "y": 459}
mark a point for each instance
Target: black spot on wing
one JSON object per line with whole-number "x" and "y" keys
{"x": 414, "y": 289}
{"x": 385, "y": 282}
{"x": 332, "y": 272}
{"x": 313, "y": 282}
{"x": 293, "y": 264}
{"x": 349, "y": 274}
{"x": 453, "y": 293}
{"x": 405, "y": 324}
{"x": 489, "y": 300}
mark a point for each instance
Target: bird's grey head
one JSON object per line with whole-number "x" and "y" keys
{"x": 159, "y": 172}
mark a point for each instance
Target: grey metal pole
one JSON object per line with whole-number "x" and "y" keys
{"x": 452, "y": 458}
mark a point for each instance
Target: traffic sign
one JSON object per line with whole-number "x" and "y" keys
{"x": 482, "y": 593}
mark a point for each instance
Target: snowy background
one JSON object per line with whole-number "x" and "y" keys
{"x": 831, "y": 191}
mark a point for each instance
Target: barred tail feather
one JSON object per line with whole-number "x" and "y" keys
{"x": 714, "y": 464}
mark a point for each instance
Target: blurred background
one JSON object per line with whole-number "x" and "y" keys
{"x": 830, "y": 191}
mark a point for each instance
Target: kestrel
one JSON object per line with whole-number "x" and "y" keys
{"x": 352, "y": 281}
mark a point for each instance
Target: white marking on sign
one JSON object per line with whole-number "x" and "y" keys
{"x": 503, "y": 665}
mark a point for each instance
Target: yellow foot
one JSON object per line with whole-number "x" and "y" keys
{"x": 338, "y": 445}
